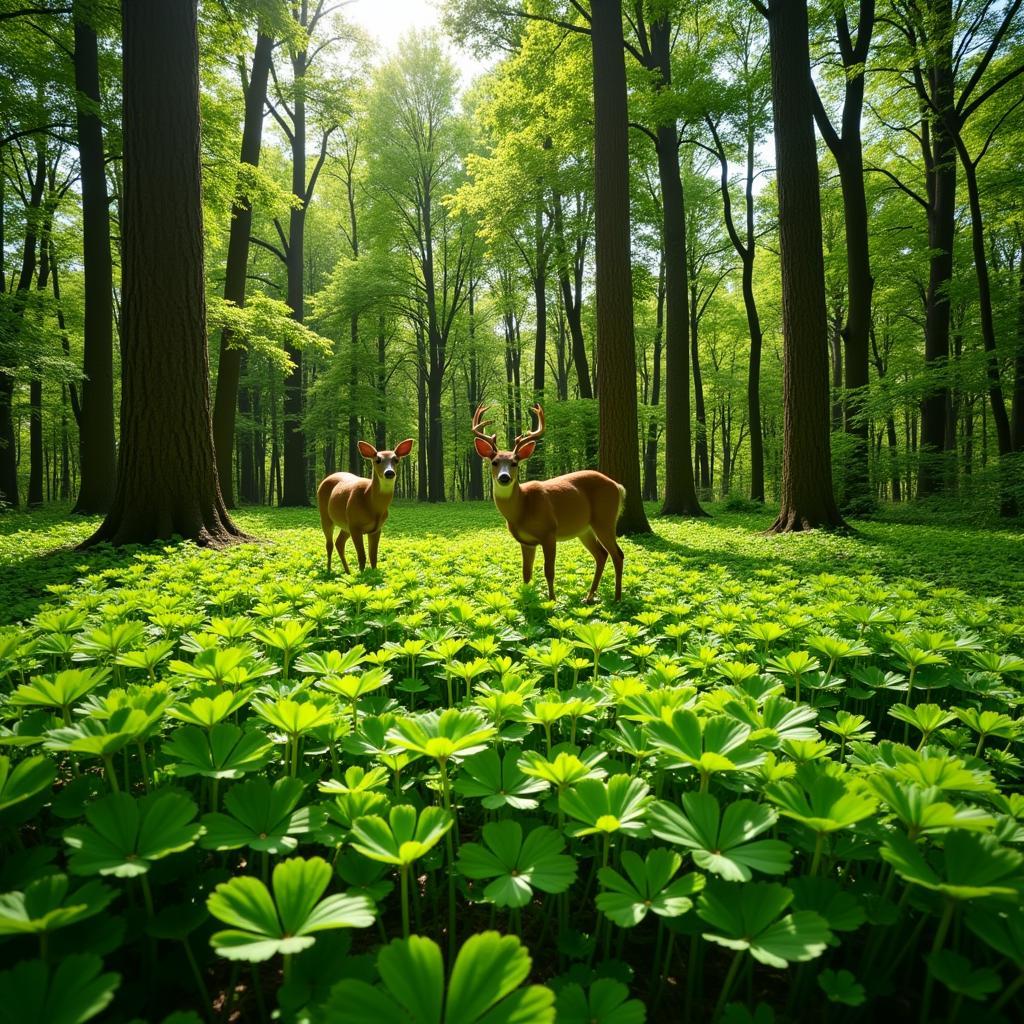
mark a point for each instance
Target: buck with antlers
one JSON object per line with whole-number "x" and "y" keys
{"x": 358, "y": 506}
{"x": 585, "y": 504}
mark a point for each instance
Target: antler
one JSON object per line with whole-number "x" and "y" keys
{"x": 478, "y": 427}
{"x": 532, "y": 435}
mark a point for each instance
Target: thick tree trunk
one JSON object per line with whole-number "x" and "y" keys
{"x": 807, "y": 499}
{"x": 680, "y": 492}
{"x": 619, "y": 449}
{"x": 96, "y": 446}
{"x": 229, "y": 367}
{"x": 940, "y": 161}
{"x": 167, "y": 472}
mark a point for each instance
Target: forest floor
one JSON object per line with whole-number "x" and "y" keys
{"x": 715, "y": 613}
{"x": 37, "y": 550}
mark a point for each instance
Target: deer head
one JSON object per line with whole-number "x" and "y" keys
{"x": 385, "y": 463}
{"x": 505, "y": 464}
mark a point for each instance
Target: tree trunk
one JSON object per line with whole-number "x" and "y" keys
{"x": 380, "y": 425}
{"x": 294, "y": 447}
{"x": 572, "y": 301}
{"x": 940, "y": 162}
{"x": 167, "y": 472}
{"x": 702, "y": 466}
{"x": 680, "y": 491}
{"x": 619, "y": 453}
{"x": 847, "y": 150}
{"x": 746, "y": 252}
{"x": 1004, "y": 435}
{"x": 8, "y": 438}
{"x": 540, "y": 345}
{"x": 96, "y": 445}
{"x": 229, "y": 368}
{"x": 807, "y": 499}
{"x": 1018, "y": 370}
{"x": 651, "y": 452}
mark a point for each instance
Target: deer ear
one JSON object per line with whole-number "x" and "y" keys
{"x": 526, "y": 450}
{"x": 403, "y": 449}
{"x": 367, "y": 450}
{"x": 483, "y": 448}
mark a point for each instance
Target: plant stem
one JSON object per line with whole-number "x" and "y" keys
{"x": 404, "y": 875}
{"x": 198, "y": 976}
{"x": 940, "y": 938}
{"x": 730, "y": 979}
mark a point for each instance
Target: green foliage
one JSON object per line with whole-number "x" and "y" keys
{"x": 295, "y": 806}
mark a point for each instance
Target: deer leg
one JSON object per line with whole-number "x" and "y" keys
{"x": 374, "y": 539}
{"x": 329, "y": 535}
{"x": 529, "y": 554}
{"x": 357, "y": 543}
{"x": 549, "y": 567}
{"x": 596, "y": 548}
{"x": 340, "y": 546}
{"x": 610, "y": 544}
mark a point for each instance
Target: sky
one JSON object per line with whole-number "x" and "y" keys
{"x": 387, "y": 20}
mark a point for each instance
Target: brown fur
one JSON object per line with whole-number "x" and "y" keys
{"x": 358, "y": 506}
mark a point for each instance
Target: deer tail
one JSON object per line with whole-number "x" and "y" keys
{"x": 622, "y": 500}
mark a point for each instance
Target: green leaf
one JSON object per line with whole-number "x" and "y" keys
{"x": 74, "y": 992}
{"x": 262, "y": 816}
{"x": 404, "y": 837}
{"x": 746, "y": 916}
{"x": 725, "y": 845}
{"x": 27, "y": 778}
{"x": 221, "y": 752}
{"x": 517, "y": 867}
{"x": 45, "y": 905}
{"x": 959, "y": 976}
{"x": 483, "y": 988}
{"x": 124, "y": 835}
{"x": 648, "y": 886}
{"x": 841, "y": 987}
{"x": 969, "y": 866}
{"x": 264, "y": 925}
{"x": 606, "y": 1001}
{"x": 618, "y": 805}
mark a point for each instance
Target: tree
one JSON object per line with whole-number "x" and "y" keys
{"x": 680, "y": 498}
{"x": 229, "y": 365}
{"x": 167, "y": 474}
{"x": 845, "y": 146}
{"x": 96, "y": 422}
{"x": 619, "y": 452}
{"x": 806, "y": 499}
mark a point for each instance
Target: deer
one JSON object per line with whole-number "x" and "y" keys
{"x": 358, "y": 506}
{"x": 585, "y": 504}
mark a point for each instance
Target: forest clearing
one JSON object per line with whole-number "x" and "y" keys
{"x": 511, "y": 511}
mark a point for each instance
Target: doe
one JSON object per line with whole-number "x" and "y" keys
{"x": 584, "y": 504}
{"x": 358, "y": 506}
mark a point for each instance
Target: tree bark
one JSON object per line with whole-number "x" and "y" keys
{"x": 294, "y": 491}
{"x": 167, "y": 473}
{"x": 229, "y": 367}
{"x": 680, "y": 491}
{"x": 96, "y": 445}
{"x": 619, "y": 454}
{"x": 651, "y": 451}
{"x": 8, "y": 441}
{"x": 940, "y": 165}
{"x": 746, "y": 251}
{"x": 847, "y": 150}
{"x": 807, "y": 499}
